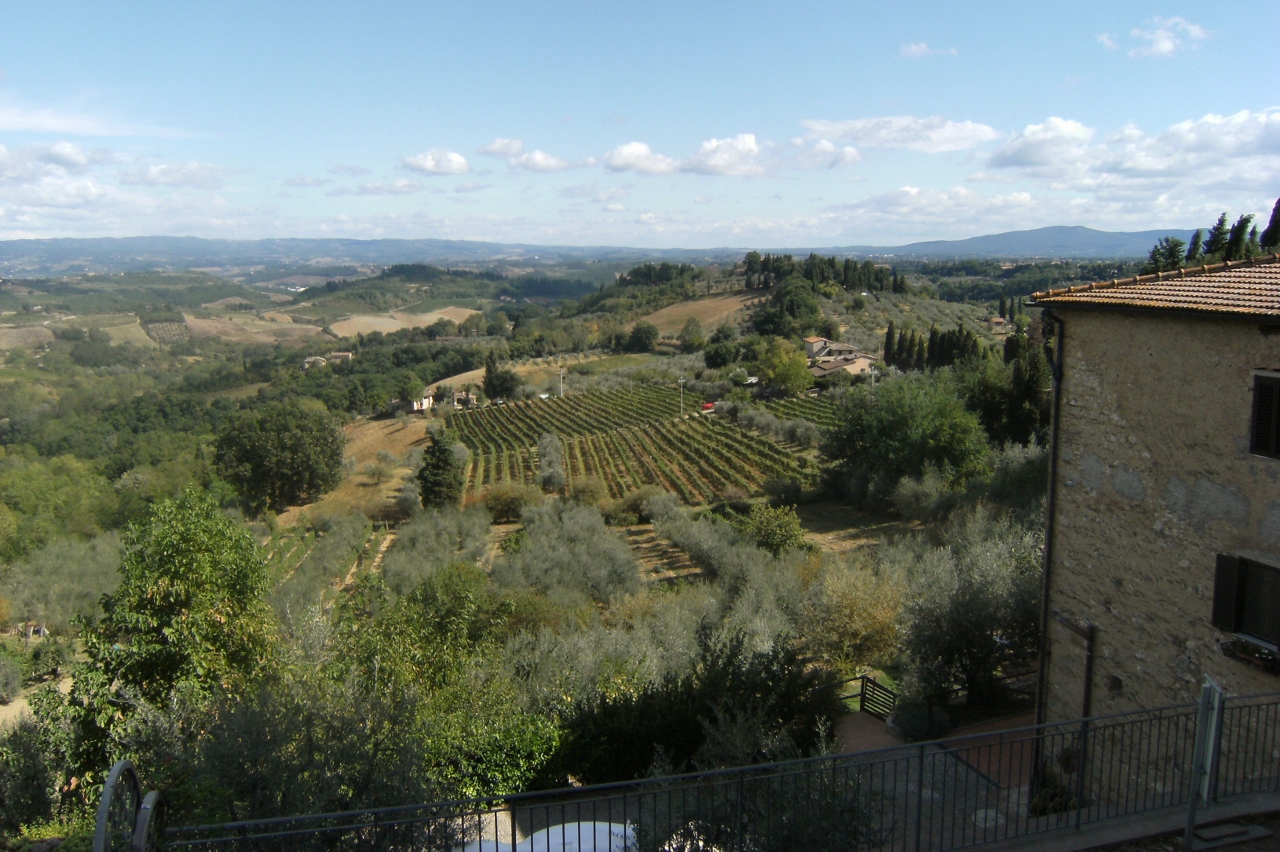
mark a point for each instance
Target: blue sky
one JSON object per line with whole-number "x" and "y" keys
{"x": 656, "y": 124}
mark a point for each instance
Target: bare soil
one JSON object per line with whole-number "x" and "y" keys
{"x": 710, "y": 312}
{"x": 836, "y": 528}
{"x": 27, "y": 336}
{"x": 250, "y": 329}
{"x": 386, "y": 323}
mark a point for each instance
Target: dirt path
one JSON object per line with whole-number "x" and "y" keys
{"x": 660, "y": 560}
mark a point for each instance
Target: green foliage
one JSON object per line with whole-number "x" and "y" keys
{"x": 643, "y": 337}
{"x": 283, "y": 453}
{"x": 783, "y": 368}
{"x": 551, "y": 475}
{"x": 337, "y": 546}
{"x": 506, "y": 501}
{"x": 441, "y": 478}
{"x": 26, "y": 782}
{"x": 690, "y": 336}
{"x": 775, "y": 529}
{"x": 735, "y": 707}
{"x": 431, "y": 541}
{"x": 971, "y": 603}
{"x": 45, "y": 498}
{"x": 1167, "y": 255}
{"x": 1270, "y": 239}
{"x": 63, "y": 581}
{"x": 899, "y": 426}
{"x": 570, "y": 555}
{"x": 188, "y": 616}
{"x": 189, "y": 607}
{"x": 10, "y": 677}
{"x": 499, "y": 382}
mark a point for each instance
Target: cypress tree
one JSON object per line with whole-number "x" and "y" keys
{"x": 920, "y": 354}
{"x": 1195, "y": 251}
{"x": 1270, "y": 239}
{"x": 902, "y": 358}
{"x": 890, "y": 345}
{"x": 1238, "y": 238}
{"x": 931, "y": 354}
{"x": 1215, "y": 245}
{"x": 1004, "y": 306}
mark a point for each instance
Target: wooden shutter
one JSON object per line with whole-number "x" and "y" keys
{"x": 1266, "y": 398}
{"x": 1226, "y": 584}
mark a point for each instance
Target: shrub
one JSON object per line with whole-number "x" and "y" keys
{"x": 895, "y": 429}
{"x": 506, "y": 501}
{"x": 26, "y": 780}
{"x": 569, "y": 553}
{"x": 851, "y": 619}
{"x": 589, "y": 491}
{"x": 431, "y": 541}
{"x": 551, "y": 474}
{"x": 775, "y": 529}
{"x": 10, "y": 678}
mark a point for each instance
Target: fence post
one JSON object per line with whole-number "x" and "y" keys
{"x": 1082, "y": 754}
{"x": 737, "y": 823}
{"x": 1210, "y": 706}
{"x": 919, "y": 799}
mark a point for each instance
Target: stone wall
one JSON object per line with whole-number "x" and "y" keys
{"x": 1154, "y": 479}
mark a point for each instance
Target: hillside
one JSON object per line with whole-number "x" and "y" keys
{"x": 285, "y": 257}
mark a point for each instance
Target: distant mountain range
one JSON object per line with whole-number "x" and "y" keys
{"x": 19, "y": 258}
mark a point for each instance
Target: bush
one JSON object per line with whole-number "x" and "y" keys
{"x": 10, "y": 678}
{"x": 972, "y": 603}
{"x": 899, "y": 427}
{"x": 736, "y": 706}
{"x": 589, "y": 491}
{"x": 431, "y": 541}
{"x": 633, "y": 505}
{"x": 569, "y": 553}
{"x": 851, "y": 618}
{"x": 775, "y": 529}
{"x": 26, "y": 780}
{"x": 506, "y": 501}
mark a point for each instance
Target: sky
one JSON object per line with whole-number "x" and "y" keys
{"x": 658, "y": 124}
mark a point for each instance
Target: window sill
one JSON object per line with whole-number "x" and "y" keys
{"x": 1254, "y": 654}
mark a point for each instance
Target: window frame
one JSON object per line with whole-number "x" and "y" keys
{"x": 1272, "y": 451}
{"x": 1229, "y": 593}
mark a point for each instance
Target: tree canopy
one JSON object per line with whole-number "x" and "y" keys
{"x": 286, "y": 452}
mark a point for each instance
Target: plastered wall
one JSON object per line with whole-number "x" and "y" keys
{"x": 1154, "y": 479}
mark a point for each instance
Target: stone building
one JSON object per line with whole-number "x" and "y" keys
{"x": 1163, "y": 543}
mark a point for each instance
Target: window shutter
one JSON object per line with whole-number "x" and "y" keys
{"x": 1226, "y": 582}
{"x": 1265, "y": 400}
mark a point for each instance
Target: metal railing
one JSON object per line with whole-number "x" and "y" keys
{"x": 940, "y": 795}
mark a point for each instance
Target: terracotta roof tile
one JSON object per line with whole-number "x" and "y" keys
{"x": 1238, "y": 287}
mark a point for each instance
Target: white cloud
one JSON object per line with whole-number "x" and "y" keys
{"x": 539, "y": 161}
{"x": 932, "y": 135}
{"x": 1167, "y": 37}
{"x": 400, "y": 187}
{"x": 437, "y": 161}
{"x": 639, "y": 157}
{"x": 191, "y": 174}
{"x": 15, "y": 118}
{"x": 738, "y": 156}
{"x": 592, "y": 193}
{"x": 1108, "y": 40}
{"x": 502, "y": 148}
{"x": 827, "y": 155}
{"x": 302, "y": 181}
{"x": 614, "y": 208}
{"x": 1044, "y": 144}
{"x": 921, "y": 50}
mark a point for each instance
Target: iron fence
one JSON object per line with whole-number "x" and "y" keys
{"x": 940, "y": 795}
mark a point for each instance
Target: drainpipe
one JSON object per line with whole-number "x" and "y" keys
{"x": 1060, "y": 334}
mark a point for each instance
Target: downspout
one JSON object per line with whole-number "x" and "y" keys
{"x": 1060, "y": 334}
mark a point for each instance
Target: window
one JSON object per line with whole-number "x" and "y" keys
{"x": 1246, "y": 599}
{"x": 1265, "y": 437}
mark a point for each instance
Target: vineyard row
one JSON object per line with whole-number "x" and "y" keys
{"x": 699, "y": 459}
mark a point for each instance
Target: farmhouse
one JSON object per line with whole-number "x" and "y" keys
{"x": 425, "y": 403}
{"x": 855, "y": 365}
{"x": 820, "y": 349}
{"x": 1163, "y": 543}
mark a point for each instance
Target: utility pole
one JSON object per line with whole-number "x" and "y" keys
{"x": 682, "y": 396}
